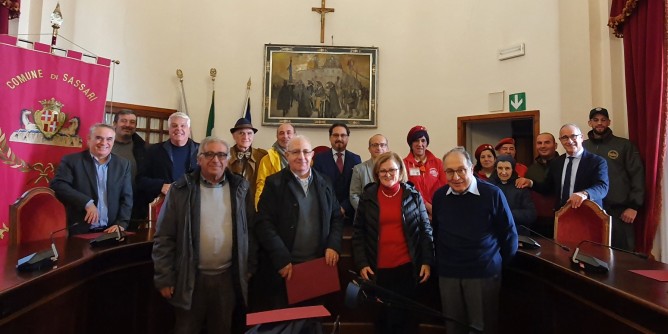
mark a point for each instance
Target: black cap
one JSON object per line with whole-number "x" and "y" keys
{"x": 599, "y": 111}
{"x": 243, "y": 123}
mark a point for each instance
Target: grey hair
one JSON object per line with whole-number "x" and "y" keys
{"x": 179, "y": 114}
{"x": 213, "y": 139}
{"x": 570, "y": 124}
{"x": 300, "y": 138}
{"x": 461, "y": 150}
{"x": 99, "y": 125}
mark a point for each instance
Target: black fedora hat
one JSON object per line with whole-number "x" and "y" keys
{"x": 243, "y": 123}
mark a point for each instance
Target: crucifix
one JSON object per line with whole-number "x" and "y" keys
{"x": 322, "y": 10}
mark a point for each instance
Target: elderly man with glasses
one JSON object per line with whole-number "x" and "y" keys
{"x": 202, "y": 251}
{"x": 475, "y": 236}
{"x": 298, "y": 219}
{"x": 574, "y": 176}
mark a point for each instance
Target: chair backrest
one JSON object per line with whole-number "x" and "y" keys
{"x": 320, "y": 148}
{"x": 154, "y": 209}
{"x": 35, "y": 215}
{"x": 588, "y": 222}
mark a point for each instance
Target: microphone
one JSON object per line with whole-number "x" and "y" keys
{"x": 542, "y": 236}
{"x": 593, "y": 264}
{"x": 107, "y": 239}
{"x": 42, "y": 259}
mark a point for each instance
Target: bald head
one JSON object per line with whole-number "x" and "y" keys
{"x": 284, "y": 134}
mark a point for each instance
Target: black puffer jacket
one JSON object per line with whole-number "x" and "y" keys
{"x": 417, "y": 229}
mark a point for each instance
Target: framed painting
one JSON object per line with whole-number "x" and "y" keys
{"x": 320, "y": 85}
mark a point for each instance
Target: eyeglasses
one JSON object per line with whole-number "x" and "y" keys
{"x": 219, "y": 155}
{"x": 571, "y": 137}
{"x": 377, "y": 145}
{"x": 391, "y": 171}
{"x": 304, "y": 152}
{"x": 460, "y": 172}
{"x": 339, "y": 135}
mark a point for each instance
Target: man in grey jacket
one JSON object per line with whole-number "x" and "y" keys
{"x": 363, "y": 173}
{"x": 626, "y": 174}
{"x": 202, "y": 254}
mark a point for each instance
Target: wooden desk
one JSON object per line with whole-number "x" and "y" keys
{"x": 106, "y": 290}
{"x": 543, "y": 293}
{"x": 110, "y": 290}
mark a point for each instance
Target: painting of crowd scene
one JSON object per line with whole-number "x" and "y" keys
{"x": 318, "y": 85}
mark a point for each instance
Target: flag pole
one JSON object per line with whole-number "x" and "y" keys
{"x": 179, "y": 74}
{"x": 212, "y": 111}
{"x": 245, "y": 112}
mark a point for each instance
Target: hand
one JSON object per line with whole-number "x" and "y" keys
{"x": 522, "y": 182}
{"x": 428, "y": 206}
{"x": 365, "y": 272}
{"x": 425, "y": 273}
{"x": 286, "y": 272}
{"x": 165, "y": 188}
{"x": 114, "y": 228}
{"x": 343, "y": 212}
{"x": 167, "y": 292}
{"x": 576, "y": 199}
{"x": 92, "y": 215}
{"x": 331, "y": 257}
{"x": 629, "y": 216}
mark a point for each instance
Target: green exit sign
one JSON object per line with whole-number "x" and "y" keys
{"x": 517, "y": 101}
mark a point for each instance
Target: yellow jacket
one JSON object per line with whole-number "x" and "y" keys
{"x": 270, "y": 164}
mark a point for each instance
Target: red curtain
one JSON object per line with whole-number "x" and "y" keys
{"x": 642, "y": 23}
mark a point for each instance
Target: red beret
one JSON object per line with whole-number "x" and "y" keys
{"x": 503, "y": 142}
{"x": 478, "y": 151}
{"x": 416, "y": 133}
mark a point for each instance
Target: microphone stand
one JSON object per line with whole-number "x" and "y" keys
{"x": 393, "y": 299}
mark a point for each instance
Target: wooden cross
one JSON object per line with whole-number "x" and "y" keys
{"x": 322, "y": 10}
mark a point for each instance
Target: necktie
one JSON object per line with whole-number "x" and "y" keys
{"x": 566, "y": 190}
{"x": 339, "y": 161}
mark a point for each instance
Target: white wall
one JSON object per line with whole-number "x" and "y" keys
{"x": 437, "y": 59}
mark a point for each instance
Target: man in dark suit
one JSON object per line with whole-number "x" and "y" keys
{"x": 166, "y": 162}
{"x": 337, "y": 165}
{"x": 298, "y": 220}
{"x": 95, "y": 186}
{"x": 574, "y": 176}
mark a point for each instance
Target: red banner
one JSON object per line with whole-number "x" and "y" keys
{"x": 47, "y": 105}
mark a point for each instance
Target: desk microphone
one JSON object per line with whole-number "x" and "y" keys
{"x": 593, "y": 264}
{"x": 540, "y": 235}
{"x": 42, "y": 259}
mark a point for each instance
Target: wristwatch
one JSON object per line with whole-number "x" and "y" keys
{"x": 586, "y": 194}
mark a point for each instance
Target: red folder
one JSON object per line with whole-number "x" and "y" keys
{"x": 659, "y": 275}
{"x": 285, "y": 314}
{"x": 312, "y": 279}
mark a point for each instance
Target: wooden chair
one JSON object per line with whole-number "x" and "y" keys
{"x": 154, "y": 209}
{"x": 320, "y": 148}
{"x": 35, "y": 215}
{"x": 588, "y": 222}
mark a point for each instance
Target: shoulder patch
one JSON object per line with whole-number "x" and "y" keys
{"x": 612, "y": 154}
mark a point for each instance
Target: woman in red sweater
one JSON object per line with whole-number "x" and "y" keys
{"x": 392, "y": 239}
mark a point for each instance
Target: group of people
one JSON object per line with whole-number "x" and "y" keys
{"x": 602, "y": 167}
{"x": 237, "y": 218}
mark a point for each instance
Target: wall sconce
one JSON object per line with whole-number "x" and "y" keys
{"x": 511, "y": 52}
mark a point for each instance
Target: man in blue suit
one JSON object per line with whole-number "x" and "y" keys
{"x": 337, "y": 165}
{"x": 574, "y": 176}
{"x": 95, "y": 186}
